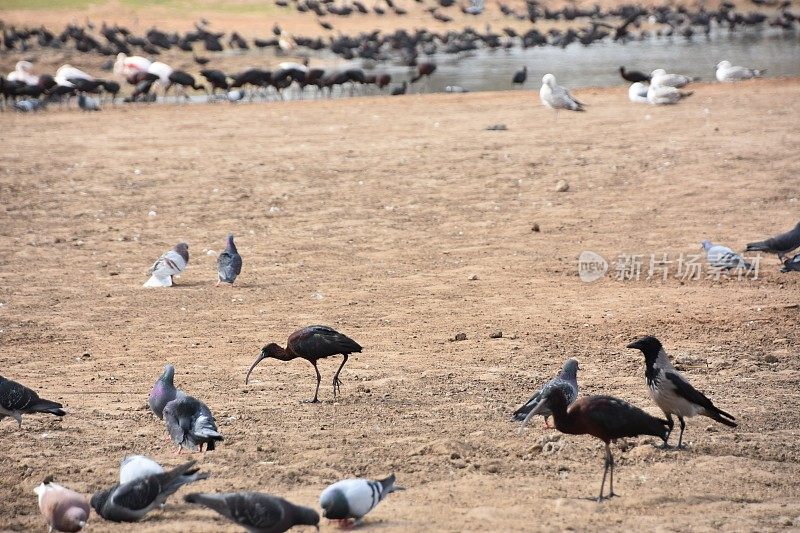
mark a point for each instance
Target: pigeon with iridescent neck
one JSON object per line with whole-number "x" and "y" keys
{"x": 164, "y": 391}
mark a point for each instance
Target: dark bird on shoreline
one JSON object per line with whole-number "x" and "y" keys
{"x": 312, "y": 344}
{"x": 792, "y": 264}
{"x": 201, "y": 60}
{"x": 400, "y": 89}
{"x": 633, "y": 76}
{"x": 605, "y": 418}
{"x": 672, "y": 392}
{"x": 229, "y": 263}
{"x": 566, "y": 380}
{"x": 520, "y": 76}
{"x": 255, "y": 511}
{"x": 17, "y": 400}
{"x": 780, "y": 244}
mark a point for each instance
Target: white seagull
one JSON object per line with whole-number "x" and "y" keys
{"x": 23, "y": 72}
{"x": 664, "y": 95}
{"x": 726, "y": 72}
{"x": 659, "y": 77}
{"x": 637, "y": 92}
{"x": 557, "y": 97}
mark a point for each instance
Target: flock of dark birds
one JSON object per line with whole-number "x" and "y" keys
{"x": 410, "y": 48}
{"x": 144, "y": 485}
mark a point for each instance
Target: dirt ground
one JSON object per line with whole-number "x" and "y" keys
{"x": 372, "y": 215}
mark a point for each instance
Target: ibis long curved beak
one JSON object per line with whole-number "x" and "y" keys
{"x": 260, "y": 358}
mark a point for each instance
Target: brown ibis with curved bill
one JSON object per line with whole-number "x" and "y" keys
{"x": 603, "y": 417}
{"x": 312, "y": 344}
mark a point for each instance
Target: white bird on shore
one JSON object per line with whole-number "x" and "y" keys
{"x": 665, "y": 95}
{"x": 168, "y": 265}
{"x": 162, "y": 70}
{"x": 637, "y": 92}
{"x": 726, "y": 72}
{"x": 557, "y": 97}
{"x": 660, "y": 78}
{"x": 129, "y": 66}
{"x": 23, "y": 72}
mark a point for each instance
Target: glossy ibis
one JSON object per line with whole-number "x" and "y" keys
{"x": 672, "y": 392}
{"x": 401, "y": 89}
{"x": 183, "y": 79}
{"x": 312, "y": 344}
{"x": 780, "y": 244}
{"x": 633, "y": 76}
{"x": 603, "y": 417}
{"x": 520, "y": 76}
{"x": 201, "y": 60}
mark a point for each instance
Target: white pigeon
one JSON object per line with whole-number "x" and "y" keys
{"x": 660, "y": 78}
{"x": 557, "y": 97}
{"x": 726, "y": 72}
{"x": 637, "y": 92}
{"x": 665, "y": 95}
{"x": 136, "y": 467}
{"x": 354, "y": 498}
{"x": 168, "y": 265}
{"x": 719, "y": 256}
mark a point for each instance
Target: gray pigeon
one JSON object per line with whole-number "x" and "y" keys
{"x": 229, "y": 263}
{"x": 164, "y": 391}
{"x": 719, "y": 256}
{"x": 30, "y": 105}
{"x": 780, "y": 244}
{"x": 17, "y": 400}
{"x": 88, "y": 104}
{"x": 566, "y": 380}
{"x": 131, "y": 501}
{"x": 792, "y": 264}
{"x": 354, "y": 498}
{"x": 190, "y": 424}
{"x": 257, "y": 512}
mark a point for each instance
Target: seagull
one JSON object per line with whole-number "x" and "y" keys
{"x": 130, "y": 502}
{"x": 637, "y": 92}
{"x": 670, "y": 390}
{"x": 665, "y": 95}
{"x": 136, "y": 467}
{"x": 229, "y": 263}
{"x": 780, "y": 244}
{"x": 659, "y": 77}
{"x": 163, "y": 392}
{"x": 64, "y": 509}
{"x": 354, "y": 498}
{"x": 726, "y": 72}
{"x": 792, "y": 264}
{"x": 557, "y": 97}
{"x": 170, "y": 264}
{"x": 719, "y": 256}
{"x": 190, "y": 424}
{"x": 566, "y": 380}
{"x": 256, "y": 512}
{"x": 17, "y": 400}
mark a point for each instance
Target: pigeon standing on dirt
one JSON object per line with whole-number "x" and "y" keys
{"x": 566, "y": 380}
{"x": 163, "y": 392}
{"x": 670, "y": 390}
{"x": 88, "y": 104}
{"x": 190, "y": 424}
{"x": 168, "y": 265}
{"x": 792, "y": 264}
{"x": 719, "y": 256}
{"x": 354, "y": 498}
{"x": 229, "y": 263}
{"x": 780, "y": 244}
{"x": 64, "y": 509}
{"x": 130, "y": 502}
{"x": 17, "y": 400}
{"x": 136, "y": 467}
{"x": 257, "y": 512}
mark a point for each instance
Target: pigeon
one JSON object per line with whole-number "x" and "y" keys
{"x": 17, "y": 400}
{"x": 229, "y": 263}
{"x": 719, "y": 256}
{"x": 780, "y": 244}
{"x": 566, "y": 380}
{"x": 168, "y": 265}
{"x": 130, "y": 502}
{"x": 256, "y": 512}
{"x": 136, "y": 467}
{"x": 64, "y": 509}
{"x": 354, "y": 498}
{"x": 557, "y": 97}
{"x": 190, "y": 424}
{"x": 660, "y": 78}
{"x": 637, "y": 92}
{"x": 726, "y": 72}
{"x": 665, "y": 95}
{"x": 792, "y": 264}
{"x": 163, "y": 391}
{"x": 88, "y": 104}
{"x": 670, "y": 390}
{"x": 30, "y": 105}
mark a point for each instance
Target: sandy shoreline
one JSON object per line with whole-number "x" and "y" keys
{"x": 371, "y": 215}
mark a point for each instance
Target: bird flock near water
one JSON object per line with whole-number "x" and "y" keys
{"x": 144, "y": 485}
